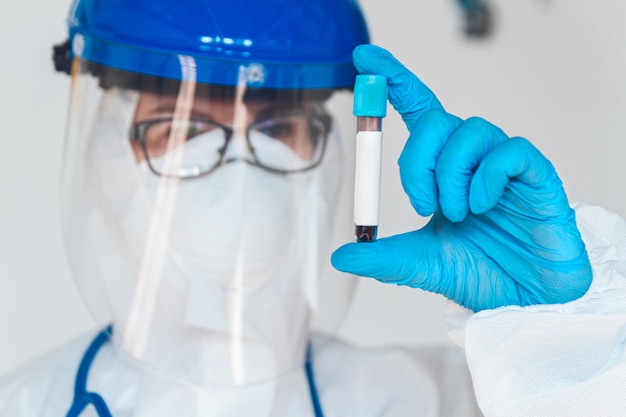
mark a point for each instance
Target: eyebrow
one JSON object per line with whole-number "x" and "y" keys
{"x": 275, "y": 110}
{"x": 169, "y": 108}
{"x": 272, "y": 109}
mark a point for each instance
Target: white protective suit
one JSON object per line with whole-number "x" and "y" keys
{"x": 544, "y": 360}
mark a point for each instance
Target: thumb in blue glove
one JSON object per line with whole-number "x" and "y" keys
{"x": 502, "y": 231}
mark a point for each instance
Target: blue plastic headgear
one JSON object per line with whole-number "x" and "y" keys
{"x": 303, "y": 44}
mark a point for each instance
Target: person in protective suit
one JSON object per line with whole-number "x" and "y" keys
{"x": 202, "y": 168}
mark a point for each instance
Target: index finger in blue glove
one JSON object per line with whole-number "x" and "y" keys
{"x": 458, "y": 161}
{"x": 407, "y": 93}
{"x": 515, "y": 160}
{"x": 419, "y": 157}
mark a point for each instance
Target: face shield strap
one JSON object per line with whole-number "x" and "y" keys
{"x": 61, "y": 57}
{"x": 109, "y": 77}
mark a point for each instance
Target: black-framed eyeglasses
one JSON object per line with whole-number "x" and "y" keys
{"x": 285, "y": 143}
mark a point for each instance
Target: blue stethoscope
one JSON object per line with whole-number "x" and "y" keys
{"x": 83, "y": 398}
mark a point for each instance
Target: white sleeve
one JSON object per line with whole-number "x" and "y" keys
{"x": 556, "y": 360}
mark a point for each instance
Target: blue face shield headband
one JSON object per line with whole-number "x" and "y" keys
{"x": 308, "y": 44}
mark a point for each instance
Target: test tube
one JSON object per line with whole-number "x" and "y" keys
{"x": 370, "y": 106}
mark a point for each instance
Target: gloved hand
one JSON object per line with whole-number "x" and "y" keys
{"x": 502, "y": 232}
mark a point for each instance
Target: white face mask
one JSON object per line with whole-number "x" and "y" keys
{"x": 236, "y": 221}
{"x": 210, "y": 280}
{"x": 232, "y": 232}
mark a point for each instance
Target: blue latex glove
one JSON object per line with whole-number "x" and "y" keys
{"x": 502, "y": 232}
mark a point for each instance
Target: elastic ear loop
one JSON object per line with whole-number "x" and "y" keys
{"x": 82, "y": 397}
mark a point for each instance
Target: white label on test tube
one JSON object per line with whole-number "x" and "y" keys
{"x": 369, "y": 147}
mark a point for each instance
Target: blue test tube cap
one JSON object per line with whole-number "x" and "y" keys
{"x": 370, "y": 96}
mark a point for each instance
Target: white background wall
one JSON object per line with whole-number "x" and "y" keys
{"x": 554, "y": 72}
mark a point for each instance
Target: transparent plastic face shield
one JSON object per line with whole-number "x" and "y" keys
{"x": 199, "y": 220}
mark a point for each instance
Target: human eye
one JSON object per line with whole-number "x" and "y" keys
{"x": 277, "y": 129}
{"x": 194, "y": 129}
{"x": 197, "y": 127}
{"x": 156, "y": 137}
